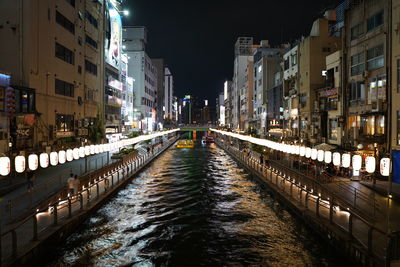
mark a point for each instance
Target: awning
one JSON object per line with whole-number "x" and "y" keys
{"x": 324, "y": 146}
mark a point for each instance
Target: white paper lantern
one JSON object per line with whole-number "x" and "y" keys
{"x": 70, "y": 154}
{"x": 87, "y": 150}
{"x": 20, "y": 164}
{"x": 336, "y": 159}
{"x": 62, "y": 156}
{"x": 370, "y": 164}
{"x": 81, "y": 152}
{"x": 302, "y": 151}
{"x": 314, "y": 154}
{"x": 96, "y": 149}
{"x": 297, "y": 150}
{"x": 320, "y": 155}
{"x": 44, "y": 160}
{"x": 328, "y": 157}
{"x": 5, "y": 166}
{"x": 308, "y": 152}
{"x": 346, "y": 159}
{"x": 92, "y": 149}
{"x": 101, "y": 148}
{"x": 385, "y": 166}
{"x": 53, "y": 158}
{"x": 357, "y": 162}
{"x": 33, "y": 162}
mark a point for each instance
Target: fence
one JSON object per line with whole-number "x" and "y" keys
{"x": 328, "y": 208}
{"x": 94, "y": 188}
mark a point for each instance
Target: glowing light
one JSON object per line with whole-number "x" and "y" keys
{"x": 5, "y": 166}
{"x": 385, "y": 166}
{"x": 320, "y": 155}
{"x": 357, "y": 162}
{"x": 62, "y": 156}
{"x": 44, "y": 160}
{"x": 33, "y": 162}
{"x": 53, "y": 158}
{"x": 336, "y": 159}
{"x": 70, "y": 154}
{"x": 328, "y": 157}
{"x": 346, "y": 158}
{"x": 370, "y": 164}
{"x": 314, "y": 154}
{"x": 20, "y": 164}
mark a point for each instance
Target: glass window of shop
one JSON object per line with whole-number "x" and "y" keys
{"x": 333, "y": 129}
{"x": 373, "y": 125}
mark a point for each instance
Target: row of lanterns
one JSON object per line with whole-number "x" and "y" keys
{"x": 345, "y": 160}
{"x": 54, "y": 158}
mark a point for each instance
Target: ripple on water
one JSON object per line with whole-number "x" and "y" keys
{"x": 193, "y": 207}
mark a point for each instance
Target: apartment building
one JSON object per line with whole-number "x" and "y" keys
{"x": 53, "y": 53}
{"x": 312, "y": 61}
{"x": 246, "y": 96}
{"x": 366, "y": 54}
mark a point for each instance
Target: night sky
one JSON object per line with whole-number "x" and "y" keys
{"x": 196, "y": 38}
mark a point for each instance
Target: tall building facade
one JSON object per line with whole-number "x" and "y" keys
{"x": 144, "y": 75}
{"x": 53, "y": 51}
{"x": 243, "y": 51}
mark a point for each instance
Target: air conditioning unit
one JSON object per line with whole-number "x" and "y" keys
{"x": 377, "y": 105}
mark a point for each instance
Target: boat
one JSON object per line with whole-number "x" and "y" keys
{"x": 207, "y": 140}
{"x": 185, "y": 143}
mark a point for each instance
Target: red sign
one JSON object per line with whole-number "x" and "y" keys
{"x": 329, "y": 92}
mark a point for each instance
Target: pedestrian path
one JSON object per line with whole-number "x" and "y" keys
{"x": 15, "y": 204}
{"x": 21, "y": 238}
{"x": 338, "y": 206}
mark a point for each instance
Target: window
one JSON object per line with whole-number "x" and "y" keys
{"x": 294, "y": 59}
{"x": 375, "y": 21}
{"x": 373, "y": 125}
{"x": 65, "y": 123}
{"x": 398, "y": 127}
{"x": 65, "y": 54}
{"x": 64, "y": 88}
{"x": 80, "y": 69}
{"x": 333, "y": 129}
{"x": 357, "y": 64}
{"x": 286, "y": 64}
{"x": 91, "y": 19}
{"x": 357, "y": 31}
{"x": 66, "y": 23}
{"x": 90, "y": 67}
{"x": 90, "y": 41}
{"x": 71, "y": 2}
{"x": 357, "y": 93}
{"x": 375, "y": 57}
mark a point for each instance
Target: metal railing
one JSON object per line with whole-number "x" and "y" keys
{"x": 29, "y": 229}
{"x": 326, "y": 206}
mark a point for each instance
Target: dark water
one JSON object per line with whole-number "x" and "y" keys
{"x": 193, "y": 207}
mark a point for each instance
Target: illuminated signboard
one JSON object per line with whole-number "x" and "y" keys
{"x": 113, "y": 45}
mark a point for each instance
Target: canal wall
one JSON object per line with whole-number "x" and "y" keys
{"x": 31, "y": 241}
{"x": 350, "y": 235}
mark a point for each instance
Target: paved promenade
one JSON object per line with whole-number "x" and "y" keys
{"x": 28, "y": 233}
{"x": 365, "y": 216}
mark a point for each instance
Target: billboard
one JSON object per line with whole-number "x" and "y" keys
{"x": 114, "y": 40}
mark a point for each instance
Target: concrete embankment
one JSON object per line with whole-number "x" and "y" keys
{"x": 32, "y": 239}
{"x": 354, "y": 237}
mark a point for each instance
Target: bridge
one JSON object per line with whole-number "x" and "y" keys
{"x": 195, "y": 127}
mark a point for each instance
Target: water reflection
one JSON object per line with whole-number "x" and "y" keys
{"x": 193, "y": 207}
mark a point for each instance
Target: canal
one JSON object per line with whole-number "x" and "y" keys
{"x": 193, "y": 207}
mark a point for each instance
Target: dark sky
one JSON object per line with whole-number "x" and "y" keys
{"x": 196, "y": 38}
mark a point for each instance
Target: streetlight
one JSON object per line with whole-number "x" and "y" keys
{"x": 125, "y": 12}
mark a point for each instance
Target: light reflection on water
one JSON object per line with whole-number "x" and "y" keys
{"x": 193, "y": 207}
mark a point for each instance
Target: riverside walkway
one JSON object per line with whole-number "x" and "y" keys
{"x": 20, "y": 239}
{"x": 351, "y": 214}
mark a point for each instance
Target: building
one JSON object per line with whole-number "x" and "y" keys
{"x": 144, "y": 75}
{"x": 312, "y": 52}
{"x": 366, "y": 54}
{"x": 275, "y": 107}
{"x": 330, "y": 101}
{"x": 168, "y": 95}
{"x": 160, "y": 65}
{"x": 228, "y": 104}
{"x": 220, "y": 110}
{"x": 266, "y": 64}
{"x": 53, "y": 54}
{"x": 246, "y": 96}
{"x": 243, "y": 51}
{"x": 291, "y": 85}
